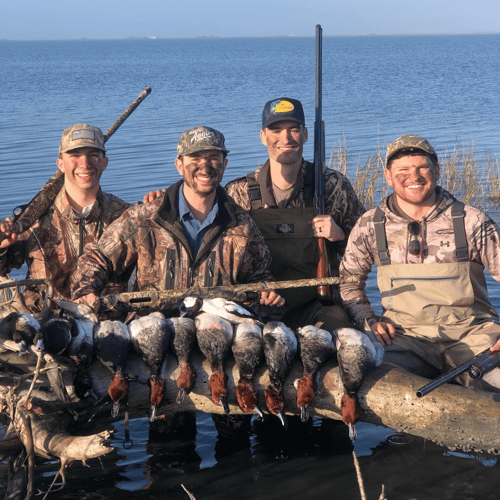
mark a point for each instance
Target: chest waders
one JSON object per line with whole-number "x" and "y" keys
{"x": 437, "y": 302}
{"x": 291, "y": 240}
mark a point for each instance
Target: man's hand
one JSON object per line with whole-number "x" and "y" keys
{"x": 383, "y": 332}
{"x": 6, "y": 227}
{"x": 324, "y": 226}
{"x": 271, "y": 298}
{"x": 152, "y": 195}
{"x": 91, "y": 300}
{"x": 496, "y": 347}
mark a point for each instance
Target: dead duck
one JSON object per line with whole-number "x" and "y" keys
{"x": 357, "y": 354}
{"x": 21, "y": 328}
{"x": 150, "y": 336}
{"x": 57, "y": 335}
{"x": 280, "y": 349}
{"x": 183, "y": 343}
{"x": 316, "y": 346}
{"x": 233, "y": 312}
{"x": 215, "y": 336}
{"x": 112, "y": 343}
{"x": 248, "y": 352}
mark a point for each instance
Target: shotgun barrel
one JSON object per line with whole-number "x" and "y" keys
{"x": 478, "y": 365}
{"x": 325, "y": 295}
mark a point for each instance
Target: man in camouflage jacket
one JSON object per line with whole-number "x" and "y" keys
{"x": 193, "y": 235}
{"x": 430, "y": 251}
{"x": 279, "y": 197}
{"x": 78, "y": 216}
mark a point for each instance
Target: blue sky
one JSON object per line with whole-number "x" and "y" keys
{"x": 61, "y": 19}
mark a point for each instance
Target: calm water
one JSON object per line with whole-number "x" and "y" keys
{"x": 375, "y": 89}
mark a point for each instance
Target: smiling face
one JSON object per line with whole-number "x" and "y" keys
{"x": 285, "y": 141}
{"x": 202, "y": 171}
{"x": 413, "y": 179}
{"x": 82, "y": 169}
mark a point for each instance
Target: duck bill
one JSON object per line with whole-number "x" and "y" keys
{"x": 257, "y": 411}
{"x": 223, "y": 403}
{"x": 304, "y": 413}
{"x": 180, "y": 396}
{"x": 352, "y": 432}
{"x": 23, "y": 348}
{"x": 152, "y": 413}
{"x": 116, "y": 409}
{"x": 283, "y": 419}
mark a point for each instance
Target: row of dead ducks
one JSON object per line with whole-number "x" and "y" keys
{"x": 217, "y": 326}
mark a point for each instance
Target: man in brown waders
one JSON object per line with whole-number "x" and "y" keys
{"x": 430, "y": 251}
{"x": 279, "y": 197}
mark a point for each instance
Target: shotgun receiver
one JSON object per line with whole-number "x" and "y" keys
{"x": 169, "y": 299}
{"x": 477, "y": 366}
{"x": 325, "y": 295}
{"x": 24, "y": 216}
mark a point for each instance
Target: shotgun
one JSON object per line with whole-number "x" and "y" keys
{"x": 169, "y": 299}
{"x": 325, "y": 294}
{"x": 477, "y": 366}
{"x": 24, "y": 216}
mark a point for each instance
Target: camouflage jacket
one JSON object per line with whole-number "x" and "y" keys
{"x": 232, "y": 250}
{"x": 341, "y": 201}
{"x": 361, "y": 254}
{"x": 52, "y": 246}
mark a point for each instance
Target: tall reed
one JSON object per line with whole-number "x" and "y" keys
{"x": 471, "y": 177}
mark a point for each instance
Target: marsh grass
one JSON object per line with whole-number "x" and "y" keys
{"x": 471, "y": 177}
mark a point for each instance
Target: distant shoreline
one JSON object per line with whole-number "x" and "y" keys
{"x": 210, "y": 37}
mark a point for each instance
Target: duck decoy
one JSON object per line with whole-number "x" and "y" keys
{"x": 315, "y": 346}
{"x": 233, "y": 312}
{"x": 183, "y": 343}
{"x": 150, "y": 337}
{"x": 357, "y": 353}
{"x": 280, "y": 349}
{"x": 248, "y": 353}
{"x": 215, "y": 336}
{"x": 112, "y": 342}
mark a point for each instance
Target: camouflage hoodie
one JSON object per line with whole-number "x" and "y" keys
{"x": 52, "y": 246}
{"x": 438, "y": 247}
{"x": 341, "y": 201}
{"x": 151, "y": 236}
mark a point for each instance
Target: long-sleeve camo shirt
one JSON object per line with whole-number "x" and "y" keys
{"x": 232, "y": 250}
{"x": 51, "y": 247}
{"x": 341, "y": 202}
{"x": 483, "y": 237}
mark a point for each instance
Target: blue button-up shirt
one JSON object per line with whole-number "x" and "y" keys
{"x": 194, "y": 229}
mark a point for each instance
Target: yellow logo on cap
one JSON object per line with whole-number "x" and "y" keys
{"x": 282, "y": 107}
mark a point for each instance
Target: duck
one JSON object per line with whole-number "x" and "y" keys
{"x": 280, "y": 349}
{"x": 56, "y": 334}
{"x": 215, "y": 336}
{"x": 316, "y": 346}
{"x": 22, "y": 329}
{"x": 183, "y": 343}
{"x": 150, "y": 336}
{"x": 81, "y": 347}
{"x": 232, "y": 311}
{"x": 248, "y": 353}
{"x": 357, "y": 354}
{"x": 112, "y": 343}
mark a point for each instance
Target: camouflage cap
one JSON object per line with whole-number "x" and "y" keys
{"x": 81, "y": 135}
{"x": 410, "y": 142}
{"x": 281, "y": 109}
{"x": 200, "y": 139}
